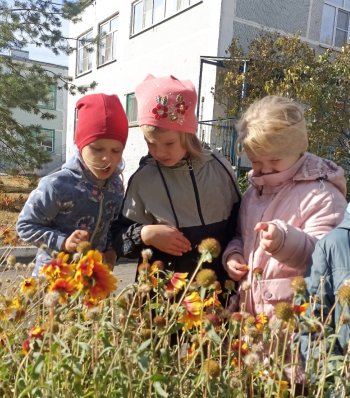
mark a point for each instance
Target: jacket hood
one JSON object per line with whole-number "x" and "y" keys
{"x": 308, "y": 168}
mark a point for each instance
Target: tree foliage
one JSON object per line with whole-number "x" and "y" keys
{"x": 24, "y": 84}
{"x": 280, "y": 65}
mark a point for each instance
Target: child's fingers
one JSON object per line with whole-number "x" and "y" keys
{"x": 261, "y": 226}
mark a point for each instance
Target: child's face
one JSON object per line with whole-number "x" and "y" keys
{"x": 102, "y": 157}
{"x": 165, "y": 147}
{"x": 270, "y": 164}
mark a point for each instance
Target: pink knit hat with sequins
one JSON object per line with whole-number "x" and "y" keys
{"x": 168, "y": 103}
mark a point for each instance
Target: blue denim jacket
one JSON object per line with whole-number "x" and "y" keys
{"x": 331, "y": 260}
{"x": 66, "y": 200}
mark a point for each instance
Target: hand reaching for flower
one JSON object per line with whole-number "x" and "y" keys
{"x": 165, "y": 238}
{"x": 271, "y": 237}
{"x": 73, "y": 240}
{"x": 236, "y": 267}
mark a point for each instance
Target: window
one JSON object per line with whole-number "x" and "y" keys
{"x": 47, "y": 137}
{"x": 131, "y": 108}
{"x": 146, "y": 13}
{"x": 108, "y": 41}
{"x": 335, "y": 23}
{"x": 50, "y": 101}
{"x": 84, "y": 53}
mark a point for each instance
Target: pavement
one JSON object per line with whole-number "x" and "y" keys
{"x": 125, "y": 269}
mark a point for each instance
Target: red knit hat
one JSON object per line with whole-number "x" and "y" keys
{"x": 168, "y": 103}
{"x": 100, "y": 116}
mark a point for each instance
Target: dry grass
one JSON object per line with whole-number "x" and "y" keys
{"x": 14, "y": 189}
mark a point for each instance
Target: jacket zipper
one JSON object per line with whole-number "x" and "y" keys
{"x": 98, "y": 218}
{"x": 195, "y": 188}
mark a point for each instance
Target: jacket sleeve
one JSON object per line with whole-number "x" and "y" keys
{"x": 321, "y": 213}
{"x": 36, "y": 221}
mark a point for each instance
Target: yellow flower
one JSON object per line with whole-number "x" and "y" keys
{"x": 300, "y": 309}
{"x": 28, "y": 286}
{"x": 344, "y": 295}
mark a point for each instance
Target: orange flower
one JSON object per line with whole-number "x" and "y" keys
{"x": 28, "y": 286}
{"x": 37, "y": 332}
{"x": 300, "y": 309}
{"x": 58, "y": 267}
{"x": 63, "y": 287}
{"x": 239, "y": 345}
{"x": 26, "y": 346}
{"x": 177, "y": 282}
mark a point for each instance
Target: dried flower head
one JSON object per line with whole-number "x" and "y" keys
{"x": 229, "y": 284}
{"x": 344, "y": 295}
{"x": 159, "y": 321}
{"x": 213, "y": 319}
{"x": 146, "y": 255}
{"x": 284, "y": 311}
{"x": 83, "y": 247}
{"x": 211, "y": 368}
{"x": 51, "y": 299}
{"x": 251, "y": 359}
{"x": 209, "y": 248}
{"x": 206, "y": 277}
{"x": 11, "y": 260}
{"x": 298, "y": 285}
{"x": 145, "y": 333}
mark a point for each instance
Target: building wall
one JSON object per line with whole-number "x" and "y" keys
{"x": 177, "y": 45}
{"x": 58, "y": 124}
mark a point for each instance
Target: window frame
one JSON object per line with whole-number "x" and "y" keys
{"x": 131, "y": 109}
{"x": 149, "y": 12}
{"x": 52, "y": 137}
{"x": 345, "y": 8}
{"x": 84, "y": 49}
{"x": 42, "y": 104}
{"x": 102, "y": 39}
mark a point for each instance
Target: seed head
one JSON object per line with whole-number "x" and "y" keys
{"x": 159, "y": 321}
{"x": 284, "y": 311}
{"x": 206, "y": 277}
{"x": 11, "y": 260}
{"x": 209, "y": 248}
{"x": 298, "y": 285}
{"x": 83, "y": 247}
{"x": 344, "y": 295}
{"x": 211, "y": 368}
{"x": 213, "y": 319}
{"x": 229, "y": 284}
{"x": 146, "y": 255}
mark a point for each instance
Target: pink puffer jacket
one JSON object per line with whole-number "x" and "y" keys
{"x": 306, "y": 201}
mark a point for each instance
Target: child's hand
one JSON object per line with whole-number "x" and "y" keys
{"x": 165, "y": 238}
{"x": 73, "y": 240}
{"x": 271, "y": 236}
{"x": 236, "y": 267}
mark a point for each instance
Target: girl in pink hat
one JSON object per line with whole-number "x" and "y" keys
{"x": 78, "y": 202}
{"x": 181, "y": 193}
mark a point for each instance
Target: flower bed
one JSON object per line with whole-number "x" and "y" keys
{"x": 68, "y": 334}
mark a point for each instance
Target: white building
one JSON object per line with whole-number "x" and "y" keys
{"x": 187, "y": 39}
{"x": 53, "y": 131}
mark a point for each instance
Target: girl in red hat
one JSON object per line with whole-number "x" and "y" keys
{"x": 78, "y": 202}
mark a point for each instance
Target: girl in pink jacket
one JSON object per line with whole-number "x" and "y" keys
{"x": 294, "y": 199}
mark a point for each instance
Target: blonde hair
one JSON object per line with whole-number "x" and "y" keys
{"x": 273, "y": 125}
{"x": 189, "y": 141}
